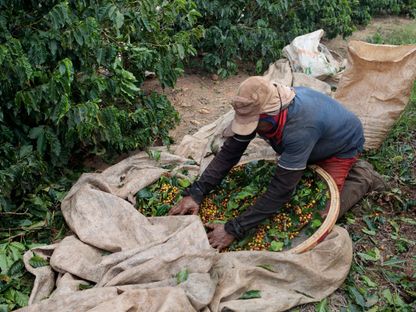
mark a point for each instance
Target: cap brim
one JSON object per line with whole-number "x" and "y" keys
{"x": 244, "y": 125}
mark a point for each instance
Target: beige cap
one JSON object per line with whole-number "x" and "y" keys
{"x": 257, "y": 95}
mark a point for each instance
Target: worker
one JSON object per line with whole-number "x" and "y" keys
{"x": 304, "y": 127}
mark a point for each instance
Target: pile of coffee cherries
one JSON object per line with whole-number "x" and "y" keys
{"x": 238, "y": 191}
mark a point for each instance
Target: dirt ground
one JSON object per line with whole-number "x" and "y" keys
{"x": 200, "y": 99}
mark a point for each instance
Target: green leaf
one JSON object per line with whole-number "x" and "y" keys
{"x": 155, "y": 155}
{"x": 4, "y": 262}
{"x": 216, "y": 221}
{"x": 184, "y": 182}
{"x": 16, "y": 252}
{"x": 18, "y": 246}
{"x": 144, "y": 193}
{"x": 369, "y": 223}
{"x": 79, "y": 38}
{"x": 276, "y": 246}
{"x": 358, "y": 298}
{"x": 162, "y": 210}
{"x": 100, "y": 55}
{"x": 25, "y": 150}
{"x": 182, "y": 276}
{"x": 16, "y": 268}
{"x": 119, "y": 19}
{"x": 408, "y": 220}
{"x": 369, "y": 232}
{"x": 242, "y": 195}
{"x": 322, "y": 306}
{"x": 316, "y": 223}
{"x": 38, "y": 133}
{"x": 368, "y": 281}
{"x": 181, "y": 51}
{"x": 85, "y": 286}
{"x": 398, "y": 301}
{"x": 37, "y": 261}
{"x": 395, "y": 226}
{"x": 231, "y": 205}
{"x": 371, "y": 300}
{"x": 259, "y": 65}
{"x": 371, "y": 255}
{"x": 4, "y": 308}
{"x": 267, "y": 267}
{"x": 388, "y": 296}
{"x": 393, "y": 262}
{"x": 21, "y": 299}
{"x": 37, "y": 225}
{"x": 350, "y": 221}
{"x": 250, "y": 294}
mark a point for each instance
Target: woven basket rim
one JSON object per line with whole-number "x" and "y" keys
{"x": 332, "y": 216}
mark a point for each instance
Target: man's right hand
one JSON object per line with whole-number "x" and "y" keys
{"x": 187, "y": 205}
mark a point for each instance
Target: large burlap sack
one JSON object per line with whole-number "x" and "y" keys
{"x": 376, "y": 86}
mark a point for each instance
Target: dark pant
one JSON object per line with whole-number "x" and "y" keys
{"x": 361, "y": 180}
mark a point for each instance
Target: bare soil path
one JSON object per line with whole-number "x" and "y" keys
{"x": 199, "y": 99}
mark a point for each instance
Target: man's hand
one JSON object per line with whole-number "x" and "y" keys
{"x": 187, "y": 205}
{"x": 218, "y": 237}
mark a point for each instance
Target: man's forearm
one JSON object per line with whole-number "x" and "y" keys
{"x": 229, "y": 155}
{"x": 278, "y": 193}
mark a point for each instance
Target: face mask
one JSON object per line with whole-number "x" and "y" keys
{"x": 267, "y": 124}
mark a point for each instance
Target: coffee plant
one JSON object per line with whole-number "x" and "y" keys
{"x": 363, "y": 10}
{"x": 70, "y": 86}
{"x": 70, "y": 78}
{"x": 257, "y": 30}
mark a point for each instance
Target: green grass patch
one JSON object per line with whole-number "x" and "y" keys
{"x": 398, "y": 36}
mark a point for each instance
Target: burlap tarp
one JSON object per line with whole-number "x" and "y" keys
{"x": 376, "y": 86}
{"x": 131, "y": 261}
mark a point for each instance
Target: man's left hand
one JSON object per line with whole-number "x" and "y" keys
{"x": 218, "y": 237}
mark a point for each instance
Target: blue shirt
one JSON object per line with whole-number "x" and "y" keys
{"x": 318, "y": 127}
